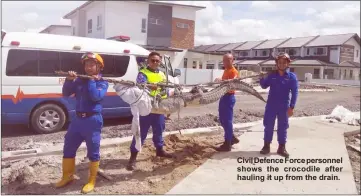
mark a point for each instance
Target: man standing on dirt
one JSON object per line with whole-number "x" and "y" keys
{"x": 151, "y": 74}
{"x": 281, "y": 83}
{"x": 88, "y": 123}
{"x": 226, "y": 105}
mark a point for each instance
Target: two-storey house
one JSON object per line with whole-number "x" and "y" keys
{"x": 147, "y": 23}
{"x": 165, "y": 27}
{"x": 324, "y": 56}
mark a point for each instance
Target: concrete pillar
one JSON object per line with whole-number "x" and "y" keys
{"x": 197, "y": 64}
{"x": 189, "y": 63}
{"x": 321, "y": 72}
{"x": 216, "y": 64}
{"x": 356, "y": 74}
{"x": 204, "y": 64}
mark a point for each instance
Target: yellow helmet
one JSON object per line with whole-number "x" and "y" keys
{"x": 95, "y": 56}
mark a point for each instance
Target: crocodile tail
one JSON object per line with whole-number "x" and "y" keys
{"x": 245, "y": 87}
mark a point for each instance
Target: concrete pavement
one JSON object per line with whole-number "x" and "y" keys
{"x": 308, "y": 138}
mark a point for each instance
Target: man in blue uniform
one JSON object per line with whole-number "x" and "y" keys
{"x": 151, "y": 74}
{"x": 88, "y": 123}
{"x": 281, "y": 83}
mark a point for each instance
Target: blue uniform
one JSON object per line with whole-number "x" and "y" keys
{"x": 278, "y": 103}
{"x": 156, "y": 121}
{"x": 89, "y": 94}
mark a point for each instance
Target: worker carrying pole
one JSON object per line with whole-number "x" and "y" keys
{"x": 88, "y": 122}
{"x": 226, "y": 105}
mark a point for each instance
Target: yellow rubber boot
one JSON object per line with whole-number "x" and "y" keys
{"x": 68, "y": 172}
{"x": 93, "y": 171}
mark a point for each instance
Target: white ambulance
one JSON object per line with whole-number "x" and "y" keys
{"x": 32, "y": 92}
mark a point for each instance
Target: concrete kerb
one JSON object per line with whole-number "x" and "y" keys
{"x": 113, "y": 142}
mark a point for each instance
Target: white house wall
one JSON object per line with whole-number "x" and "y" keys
{"x": 354, "y": 43}
{"x": 74, "y": 23}
{"x": 129, "y": 24}
{"x": 61, "y": 31}
{"x": 183, "y": 13}
{"x": 93, "y": 10}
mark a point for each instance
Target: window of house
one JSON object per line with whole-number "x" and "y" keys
{"x": 144, "y": 25}
{"x": 308, "y": 51}
{"x": 210, "y": 67}
{"x": 316, "y": 73}
{"x": 264, "y": 53}
{"x": 344, "y": 74}
{"x": 243, "y": 53}
{"x": 185, "y": 61}
{"x": 90, "y": 25}
{"x": 182, "y": 25}
{"x": 356, "y": 53}
{"x": 281, "y": 50}
{"x": 155, "y": 21}
{"x": 291, "y": 52}
{"x": 351, "y": 74}
{"x": 255, "y": 53}
{"x": 99, "y": 22}
{"x": 319, "y": 51}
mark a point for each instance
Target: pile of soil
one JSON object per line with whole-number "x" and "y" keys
{"x": 153, "y": 175}
{"x": 354, "y": 156}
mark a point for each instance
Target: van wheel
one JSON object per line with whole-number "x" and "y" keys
{"x": 48, "y": 118}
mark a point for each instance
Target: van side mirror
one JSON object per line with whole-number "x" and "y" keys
{"x": 177, "y": 72}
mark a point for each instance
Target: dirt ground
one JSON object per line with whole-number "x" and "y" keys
{"x": 153, "y": 175}
{"x": 354, "y": 158}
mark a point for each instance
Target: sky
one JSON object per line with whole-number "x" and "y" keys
{"x": 220, "y": 21}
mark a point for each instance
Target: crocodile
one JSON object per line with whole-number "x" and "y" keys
{"x": 175, "y": 103}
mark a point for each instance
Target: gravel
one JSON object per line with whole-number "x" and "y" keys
{"x": 247, "y": 109}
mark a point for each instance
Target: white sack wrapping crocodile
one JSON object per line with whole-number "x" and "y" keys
{"x": 140, "y": 105}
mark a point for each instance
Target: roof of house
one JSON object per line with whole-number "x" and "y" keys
{"x": 249, "y": 45}
{"x": 202, "y": 47}
{"x": 215, "y": 47}
{"x": 272, "y": 43}
{"x": 319, "y": 40}
{"x": 144, "y": 1}
{"x": 296, "y": 42}
{"x": 304, "y": 62}
{"x": 53, "y": 26}
{"x": 205, "y": 52}
{"x": 333, "y": 40}
{"x": 161, "y": 48}
{"x": 350, "y": 64}
{"x": 230, "y": 46}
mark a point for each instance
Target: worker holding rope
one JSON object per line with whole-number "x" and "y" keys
{"x": 281, "y": 83}
{"x": 226, "y": 105}
{"x": 151, "y": 74}
{"x": 88, "y": 123}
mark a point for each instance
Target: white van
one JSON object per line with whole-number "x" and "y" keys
{"x": 32, "y": 92}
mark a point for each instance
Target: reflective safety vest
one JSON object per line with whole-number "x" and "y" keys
{"x": 154, "y": 78}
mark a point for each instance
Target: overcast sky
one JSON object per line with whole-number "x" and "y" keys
{"x": 220, "y": 22}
